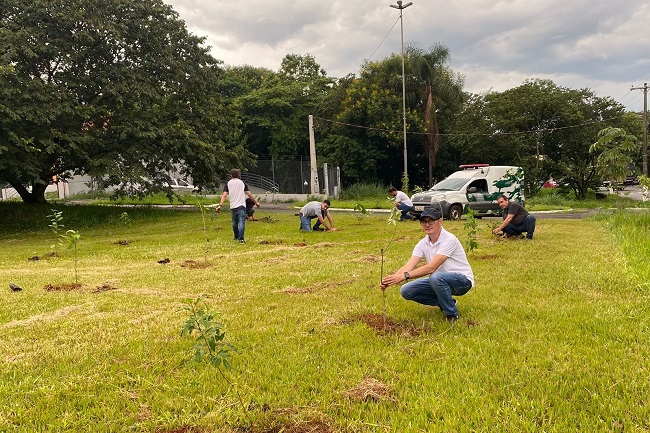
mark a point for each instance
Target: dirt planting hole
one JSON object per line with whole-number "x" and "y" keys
{"x": 368, "y": 259}
{"x": 388, "y": 326}
{"x": 272, "y": 242}
{"x": 193, "y": 264}
{"x": 370, "y": 389}
{"x": 268, "y": 219}
{"x": 104, "y": 288}
{"x": 62, "y": 287}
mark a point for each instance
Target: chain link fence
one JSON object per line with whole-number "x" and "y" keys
{"x": 293, "y": 176}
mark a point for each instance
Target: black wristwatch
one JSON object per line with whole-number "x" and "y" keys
{"x": 406, "y": 275}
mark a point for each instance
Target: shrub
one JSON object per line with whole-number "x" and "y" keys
{"x": 360, "y": 191}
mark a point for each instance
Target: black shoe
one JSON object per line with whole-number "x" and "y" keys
{"x": 451, "y": 318}
{"x": 242, "y": 241}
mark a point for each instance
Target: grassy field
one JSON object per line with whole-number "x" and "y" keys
{"x": 554, "y": 337}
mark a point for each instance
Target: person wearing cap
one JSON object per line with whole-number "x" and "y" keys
{"x": 318, "y": 210}
{"x": 403, "y": 203}
{"x": 237, "y": 190}
{"x": 516, "y": 220}
{"x": 445, "y": 274}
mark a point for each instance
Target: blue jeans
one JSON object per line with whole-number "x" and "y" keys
{"x": 528, "y": 227}
{"x": 305, "y": 223}
{"x": 238, "y": 216}
{"x": 437, "y": 290}
{"x": 405, "y": 211}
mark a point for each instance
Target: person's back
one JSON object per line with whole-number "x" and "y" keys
{"x": 236, "y": 189}
{"x": 311, "y": 209}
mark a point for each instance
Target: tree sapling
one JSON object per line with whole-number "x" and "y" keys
{"x": 361, "y": 212}
{"x": 56, "y": 225}
{"x": 471, "y": 225}
{"x": 210, "y": 344}
{"x": 71, "y": 239}
{"x": 393, "y": 218}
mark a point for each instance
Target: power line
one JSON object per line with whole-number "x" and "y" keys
{"x": 382, "y": 41}
{"x": 467, "y": 134}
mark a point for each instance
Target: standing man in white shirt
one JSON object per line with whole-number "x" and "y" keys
{"x": 445, "y": 274}
{"x": 403, "y": 203}
{"x": 237, "y": 190}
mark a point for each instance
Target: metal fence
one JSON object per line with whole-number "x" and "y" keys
{"x": 293, "y": 176}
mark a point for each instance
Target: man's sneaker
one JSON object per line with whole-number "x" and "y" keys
{"x": 241, "y": 241}
{"x": 452, "y": 318}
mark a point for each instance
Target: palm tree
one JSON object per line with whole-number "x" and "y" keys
{"x": 432, "y": 86}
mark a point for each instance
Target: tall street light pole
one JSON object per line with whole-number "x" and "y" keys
{"x": 645, "y": 126}
{"x": 401, "y": 7}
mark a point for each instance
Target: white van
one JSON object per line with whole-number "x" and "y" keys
{"x": 474, "y": 186}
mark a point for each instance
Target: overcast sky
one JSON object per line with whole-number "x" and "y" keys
{"x": 495, "y": 44}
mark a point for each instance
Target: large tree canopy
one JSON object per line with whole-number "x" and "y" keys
{"x": 545, "y": 128}
{"x": 275, "y": 106}
{"x": 436, "y": 92}
{"x": 119, "y": 90}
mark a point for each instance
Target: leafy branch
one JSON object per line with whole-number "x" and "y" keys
{"x": 210, "y": 344}
{"x": 361, "y": 212}
{"x": 56, "y": 225}
{"x": 471, "y": 225}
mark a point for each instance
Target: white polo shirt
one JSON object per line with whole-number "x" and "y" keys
{"x": 448, "y": 245}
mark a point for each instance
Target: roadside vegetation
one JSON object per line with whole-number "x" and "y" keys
{"x": 375, "y": 196}
{"x": 550, "y": 339}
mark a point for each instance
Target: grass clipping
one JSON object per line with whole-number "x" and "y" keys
{"x": 370, "y": 389}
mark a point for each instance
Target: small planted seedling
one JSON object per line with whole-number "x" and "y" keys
{"x": 204, "y": 216}
{"x": 210, "y": 344}
{"x": 71, "y": 238}
{"x": 56, "y": 225}
{"x": 361, "y": 212}
{"x": 393, "y": 218}
{"x": 125, "y": 220}
{"x": 471, "y": 225}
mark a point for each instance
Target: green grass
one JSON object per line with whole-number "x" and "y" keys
{"x": 552, "y": 338}
{"x": 559, "y": 199}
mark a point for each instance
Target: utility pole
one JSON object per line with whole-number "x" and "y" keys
{"x": 401, "y": 7}
{"x": 312, "y": 158}
{"x": 645, "y": 126}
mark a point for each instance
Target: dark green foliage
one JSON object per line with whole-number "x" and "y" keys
{"x": 359, "y": 191}
{"x": 119, "y": 90}
{"x": 542, "y": 127}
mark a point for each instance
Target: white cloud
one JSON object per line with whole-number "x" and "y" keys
{"x": 495, "y": 44}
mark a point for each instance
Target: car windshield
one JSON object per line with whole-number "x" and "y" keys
{"x": 450, "y": 184}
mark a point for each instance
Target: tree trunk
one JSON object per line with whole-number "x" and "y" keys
{"x": 36, "y": 196}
